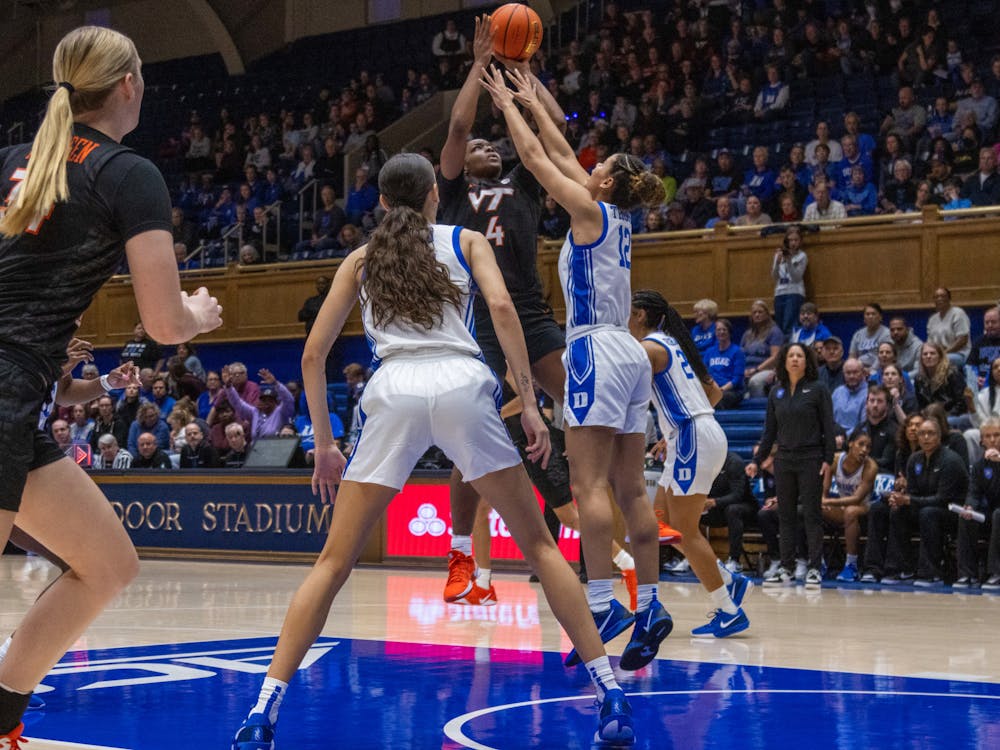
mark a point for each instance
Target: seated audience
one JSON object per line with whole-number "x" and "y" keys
{"x": 109, "y": 455}
{"x": 150, "y": 455}
{"x": 726, "y": 364}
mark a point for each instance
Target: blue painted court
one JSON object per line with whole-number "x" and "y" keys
{"x": 364, "y": 694}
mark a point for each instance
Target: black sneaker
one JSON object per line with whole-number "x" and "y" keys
{"x": 992, "y": 584}
{"x": 927, "y": 582}
{"x": 963, "y": 583}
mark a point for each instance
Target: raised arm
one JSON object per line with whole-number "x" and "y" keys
{"x": 570, "y": 194}
{"x": 530, "y": 93}
{"x": 463, "y": 111}
{"x": 551, "y": 106}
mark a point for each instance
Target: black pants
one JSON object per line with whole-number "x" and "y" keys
{"x": 889, "y": 549}
{"x": 767, "y": 521}
{"x": 734, "y": 517}
{"x": 730, "y": 400}
{"x": 798, "y": 482}
{"x": 969, "y": 534}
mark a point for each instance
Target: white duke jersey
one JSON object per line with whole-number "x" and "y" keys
{"x": 456, "y": 330}
{"x": 596, "y": 278}
{"x": 679, "y": 394}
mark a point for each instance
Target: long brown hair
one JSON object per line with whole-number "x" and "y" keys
{"x": 88, "y": 63}
{"x": 634, "y": 185}
{"x": 939, "y": 376}
{"x": 403, "y": 279}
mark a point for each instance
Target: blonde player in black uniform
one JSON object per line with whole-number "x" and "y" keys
{"x": 505, "y": 208}
{"x": 72, "y": 212}
{"x": 415, "y": 280}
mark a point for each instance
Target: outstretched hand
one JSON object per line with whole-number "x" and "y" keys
{"x": 124, "y": 375}
{"x": 492, "y": 80}
{"x": 482, "y": 42}
{"x": 524, "y": 88}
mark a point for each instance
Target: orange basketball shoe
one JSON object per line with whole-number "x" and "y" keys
{"x": 461, "y": 571}
{"x": 480, "y": 596}
{"x": 668, "y": 534}
{"x": 632, "y": 584}
{"x": 13, "y": 740}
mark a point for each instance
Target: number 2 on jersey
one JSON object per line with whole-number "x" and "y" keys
{"x": 685, "y": 365}
{"x": 624, "y": 246}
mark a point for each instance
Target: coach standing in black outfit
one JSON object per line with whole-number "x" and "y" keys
{"x": 800, "y": 420}
{"x": 76, "y": 203}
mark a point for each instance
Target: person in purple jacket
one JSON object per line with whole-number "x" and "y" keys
{"x": 275, "y": 406}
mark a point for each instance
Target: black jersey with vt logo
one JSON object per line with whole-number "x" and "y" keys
{"x": 51, "y": 272}
{"x": 507, "y": 212}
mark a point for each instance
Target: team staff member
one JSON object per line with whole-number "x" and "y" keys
{"x": 415, "y": 281}
{"x": 506, "y": 209}
{"x": 71, "y": 209}
{"x": 984, "y": 497}
{"x": 800, "y": 420}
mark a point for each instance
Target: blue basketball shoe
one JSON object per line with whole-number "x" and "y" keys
{"x": 609, "y": 624}
{"x": 739, "y": 588}
{"x": 651, "y": 627}
{"x": 256, "y": 733}
{"x": 615, "y": 729}
{"x": 723, "y": 625}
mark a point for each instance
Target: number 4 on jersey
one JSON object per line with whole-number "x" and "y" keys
{"x": 494, "y": 232}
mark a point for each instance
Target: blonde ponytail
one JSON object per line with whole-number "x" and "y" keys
{"x": 91, "y": 61}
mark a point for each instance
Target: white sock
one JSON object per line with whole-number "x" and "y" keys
{"x": 602, "y": 675}
{"x": 727, "y": 577}
{"x": 269, "y": 701}
{"x": 483, "y": 578}
{"x": 851, "y": 560}
{"x": 646, "y": 593}
{"x": 722, "y": 600}
{"x": 462, "y": 543}
{"x": 4, "y": 648}
{"x": 599, "y": 594}
{"x": 624, "y": 560}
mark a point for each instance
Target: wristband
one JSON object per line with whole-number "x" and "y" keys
{"x": 105, "y": 384}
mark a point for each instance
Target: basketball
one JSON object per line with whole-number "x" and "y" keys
{"x": 518, "y": 31}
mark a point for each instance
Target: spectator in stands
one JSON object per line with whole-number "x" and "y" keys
{"x": 754, "y": 215}
{"x": 849, "y": 399}
{"x": 213, "y": 385}
{"x": 274, "y": 191}
{"x": 726, "y": 364}
{"x": 834, "y": 151}
{"x": 810, "y": 328}
{"x": 860, "y": 196}
{"x": 984, "y": 405}
{"x": 706, "y": 311}
{"x": 127, "y": 407}
{"x": 181, "y": 383}
{"x": 362, "y": 197}
{"x": 982, "y": 106}
{"x": 184, "y": 232}
{"x": 220, "y": 417}
{"x": 865, "y": 341}
{"x": 814, "y": 56}
{"x": 161, "y": 397}
{"x": 697, "y": 206}
{"x": 228, "y": 162}
{"x": 81, "y": 426}
{"x": 730, "y": 503}
{"x": 150, "y": 455}
{"x": 197, "y": 452}
{"x": 275, "y": 406}
{"x": 935, "y": 477}
{"x": 773, "y": 97}
{"x": 760, "y": 344}
{"x": 327, "y": 223}
{"x": 723, "y": 212}
{"x": 865, "y": 143}
{"x": 907, "y": 120}
{"x": 450, "y": 42}
{"x": 258, "y": 155}
{"x": 109, "y": 455}
{"x": 892, "y": 153}
{"x": 919, "y": 60}
{"x": 824, "y": 208}
{"x": 759, "y": 181}
{"x": 797, "y": 163}
{"x": 310, "y": 308}
{"x": 108, "y": 423}
{"x": 983, "y": 188}
{"x": 823, "y": 167}
{"x": 141, "y": 350}
{"x": 846, "y": 502}
{"x": 881, "y": 426}
{"x": 350, "y": 237}
{"x": 907, "y": 345}
{"x": 725, "y": 178}
{"x": 952, "y": 198}
{"x": 986, "y": 348}
{"x": 949, "y": 326}
{"x": 899, "y": 194}
{"x": 677, "y": 219}
{"x": 554, "y": 221}
{"x": 939, "y": 381}
{"x": 659, "y": 168}
{"x": 740, "y": 103}
{"x": 831, "y": 372}
{"x": 788, "y": 270}
{"x": 189, "y": 356}
{"x": 306, "y": 168}
{"x": 983, "y": 497}
{"x": 222, "y": 215}
{"x": 198, "y": 157}
{"x": 902, "y": 401}
{"x": 235, "y": 374}
{"x": 886, "y": 356}
{"x": 237, "y": 449}
{"x": 941, "y": 120}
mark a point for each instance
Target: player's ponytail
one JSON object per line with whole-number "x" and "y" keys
{"x": 661, "y": 315}
{"x": 634, "y": 185}
{"x": 86, "y": 66}
{"x": 403, "y": 279}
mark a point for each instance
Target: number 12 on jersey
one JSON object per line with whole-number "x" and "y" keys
{"x": 624, "y": 246}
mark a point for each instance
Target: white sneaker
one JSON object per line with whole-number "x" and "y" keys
{"x": 814, "y": 579}
{"x": 772, "y": 569}
{"x": 800, "y": 570}
{"x": 680, "y": 567}
{"x": 733, "y": 566}
{"x": 781, "y": 577}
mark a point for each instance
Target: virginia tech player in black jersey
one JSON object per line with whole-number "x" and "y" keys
{"x": 70, "y": 212}
{"x": 475, "y": 194}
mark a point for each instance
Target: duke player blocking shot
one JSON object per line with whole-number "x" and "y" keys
{"x": 75, "y": 204}
{"x": 683, "y": 393}
{"x": 607, "y": 372}
{"x": 416, "y": 280}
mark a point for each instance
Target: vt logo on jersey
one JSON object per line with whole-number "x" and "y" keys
{"x": 494, "y": 230}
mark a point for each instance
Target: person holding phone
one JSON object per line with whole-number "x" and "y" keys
{"x": 788, "y": 269}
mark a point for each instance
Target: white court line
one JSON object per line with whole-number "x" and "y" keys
{"x": 178, "y": 655}
{"x": 453, "y": 729}
{"x": 40, "y": 744}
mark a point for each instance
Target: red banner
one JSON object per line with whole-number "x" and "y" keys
{"x": 419, "y": 525}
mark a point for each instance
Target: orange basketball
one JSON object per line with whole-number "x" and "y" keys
{"x": 518, "y": 31}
